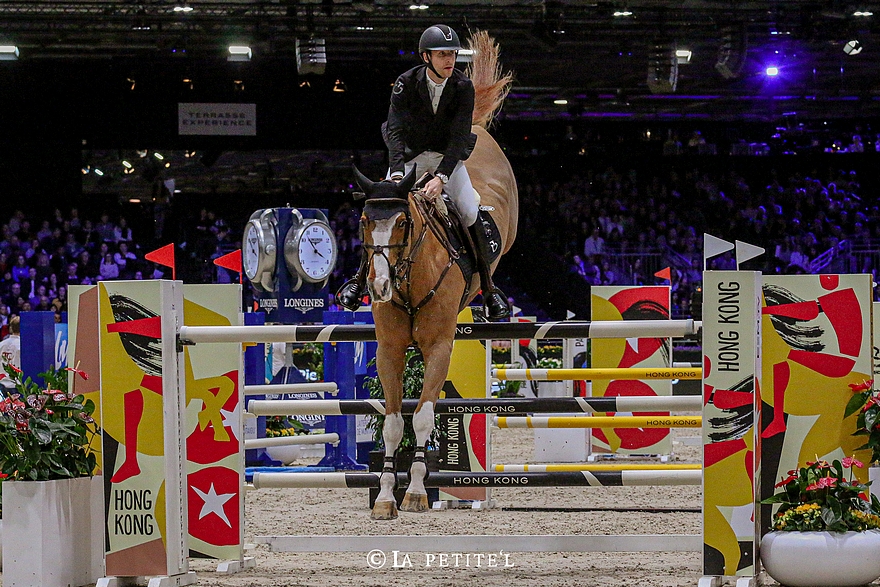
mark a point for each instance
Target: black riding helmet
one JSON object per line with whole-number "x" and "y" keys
{"x": 438, "y": 38}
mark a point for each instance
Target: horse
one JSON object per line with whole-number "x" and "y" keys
{"x": 417, "y": 288}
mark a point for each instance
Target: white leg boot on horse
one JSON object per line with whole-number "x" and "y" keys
{"x": 416, "y": 498}
{"x": 385, "y": 507}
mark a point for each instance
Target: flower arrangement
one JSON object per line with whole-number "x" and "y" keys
{"x": 866, "y": 402}
{"x": 279, "y": 426}
{"x": 46, "y": 433}
{"x": 820, "y": 497}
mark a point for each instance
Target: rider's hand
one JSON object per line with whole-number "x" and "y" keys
{"x": 434, "y": 187}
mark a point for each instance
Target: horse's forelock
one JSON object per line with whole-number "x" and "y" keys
{"x": 384, "y": 208}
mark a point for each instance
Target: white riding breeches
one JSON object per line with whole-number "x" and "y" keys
{"x": 459, "y": 187}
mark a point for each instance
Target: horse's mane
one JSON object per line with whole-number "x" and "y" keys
{"x": 490, "y": 85}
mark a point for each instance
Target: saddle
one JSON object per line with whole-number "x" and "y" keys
{"x": 459, "y": 239}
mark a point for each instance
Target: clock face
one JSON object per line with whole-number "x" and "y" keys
{"x": 316, "y": 251}
{"x": 251, "y": 250}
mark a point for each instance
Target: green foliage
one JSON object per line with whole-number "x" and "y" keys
{"x": 820, "y": 497}
{"x": 413, "y": 378}
{"x": 310, "y": 356}
{"x": 866, "y": 402}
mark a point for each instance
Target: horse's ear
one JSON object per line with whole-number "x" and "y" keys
{"x": 407, "y": 182}
{"x": 363, "y": 181}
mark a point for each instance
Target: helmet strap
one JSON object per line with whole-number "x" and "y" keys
{"x": 430, "y": 64}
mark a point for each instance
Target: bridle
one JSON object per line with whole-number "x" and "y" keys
{"x": 402, "y": 269}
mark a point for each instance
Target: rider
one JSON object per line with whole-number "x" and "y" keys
{"x": 429, "y": 126}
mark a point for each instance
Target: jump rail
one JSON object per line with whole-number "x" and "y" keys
{"x": 475, "y": 331}
{"x": 600, "y": 422}
{"x": 555, "y": 467}
{"x": 594, "y": 374}
{"x": 326, "y": 387}
{"x": 468, "y": 543}
{"x": 331, "y": 438}
{"x": 370, "y": 480}
{"x": 586, "y": 405}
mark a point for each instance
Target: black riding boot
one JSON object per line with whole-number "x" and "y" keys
{"x": 352, "y": 291}
{"x": 494, "y": 301}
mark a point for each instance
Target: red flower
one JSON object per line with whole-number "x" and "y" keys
{"x": 3, "y": 475}
{"x": 852, "y": 462}
{"x": 822, "y": 483}
{"x": 822, "y": 464}
{"x": 3, "y": 376}
{"x": 863, "y": 386}
{"x": 786, "y": 481}
{"x": 79, "y": 372}
{"x": 871, "y": 401}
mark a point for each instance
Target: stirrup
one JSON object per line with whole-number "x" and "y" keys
{"x": 497, "y": 295}
{"x": 349, "y": 295}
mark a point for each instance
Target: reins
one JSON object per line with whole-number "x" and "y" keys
{"x": 401, "y": 272}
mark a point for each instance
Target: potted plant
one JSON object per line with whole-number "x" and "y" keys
{"x": 866, "y": 402}
{"x": 413, "y": 377}
{"x": 47, "y": 439}
{"x": 825, "y": 531}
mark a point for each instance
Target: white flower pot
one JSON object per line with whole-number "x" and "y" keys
{"x": 1, "y": 544}
{"x": 822, "y": 559}
{"x": 53, "y": 532}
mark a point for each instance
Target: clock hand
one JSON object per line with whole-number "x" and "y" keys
{"x": 316, "y": 248}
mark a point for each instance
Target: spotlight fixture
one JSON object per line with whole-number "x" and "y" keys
{"x": 183, "y": 8}
{"x": 622, "y": 13}
{"x": 853, "y": 47}
{"x": 863, "y": 13}
{"x": 418, "y": 6}
{"x": 239, "y": 53}
{"x": 131, "y": 83}
{"x": 339, "y": 86}
{"x": 772, "y": 71}
{"x": 237, "y": 85}
{"x": 8, "y": 53}
{"x": 683, "y": 56}
{"x": 560, "y": 102}
{"x": 464, "y": 56}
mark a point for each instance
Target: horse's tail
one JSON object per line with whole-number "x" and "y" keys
{"x": 490, "y": 85}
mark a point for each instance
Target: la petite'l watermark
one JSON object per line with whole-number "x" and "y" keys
{"x": 397, "y": 559}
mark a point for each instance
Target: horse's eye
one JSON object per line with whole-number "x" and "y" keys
{"x": 401, "y": 223}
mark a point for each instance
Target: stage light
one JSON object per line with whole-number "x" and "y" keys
{"x": 772, "y": 71}
{"x": 158, "y": 156}
{"x": 622, "y": 13}
{"x": 418, "y": 6}
{"x": 853, "y": 48}
{"x": 863, "y": 13}
{"x": 465, "y": 56}
{"x": 683, "y": 56}
{"x": 8, "y": 53}
{"x": 339, "y": 86}
{"x": 239, "y": 53}
{"x": 183, "y": 8}
{"x": 560, "y": 102}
